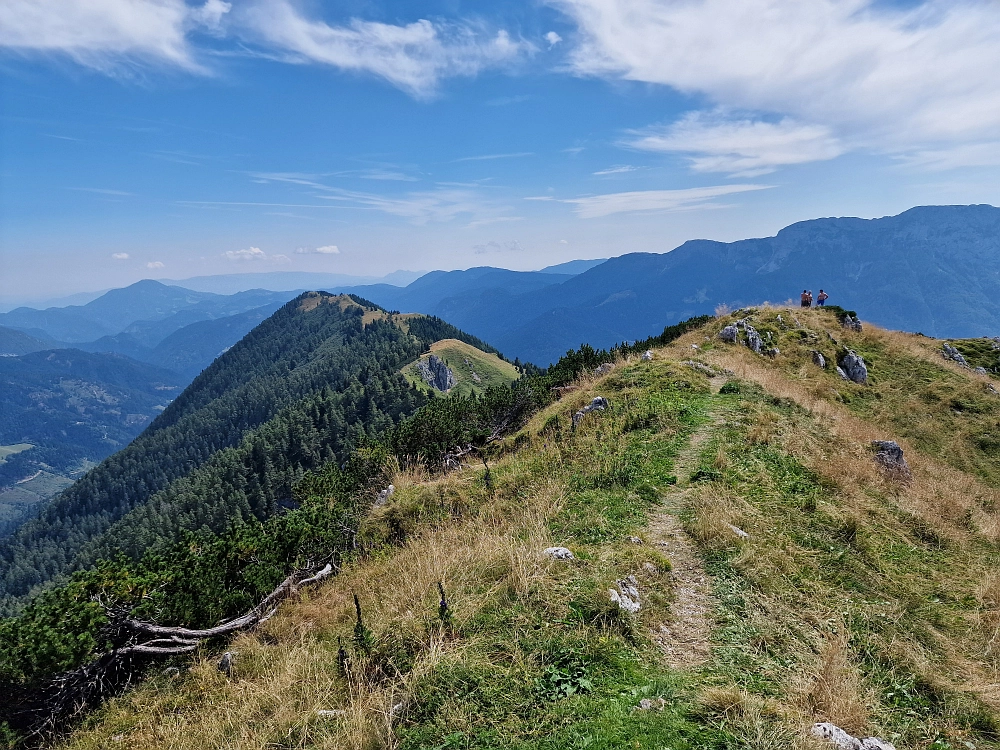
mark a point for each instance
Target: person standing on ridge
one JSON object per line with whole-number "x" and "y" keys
{"x": 806, "y": 298}
{"x": 822, "y": 298}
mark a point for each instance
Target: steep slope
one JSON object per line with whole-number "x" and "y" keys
{"x": 783, "y": 577}
{"x": 300, "y": 390}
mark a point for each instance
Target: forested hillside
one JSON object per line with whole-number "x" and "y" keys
{"x": 297, "y": 392}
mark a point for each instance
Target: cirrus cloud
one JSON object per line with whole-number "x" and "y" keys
{"x": 156, "y": 264}
{"x": 824, "y": 76}
{"x": 595, "y": 206}
{"x": 120, "y": 256}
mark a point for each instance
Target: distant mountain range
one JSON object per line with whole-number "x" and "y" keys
{"x": 933, "y": 269}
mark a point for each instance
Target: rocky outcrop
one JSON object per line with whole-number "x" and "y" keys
{"x": 598, "y": 404}
{"x": 647, "y": 356}
{"x": 818, "y": 359}
{"x": 383, "y": 497}
{"x": 853, "y": 367}
{"x": 844, "y": 740}
{"x": 604, "y": 369}
{"x": 851, "y": 323}
{"x": 626, "y": 595}
{"x": 889, "y": 456}
{"x": 436, "y": 373}
{"x": 950, "y": 352}
{"x": 751, "y": 338}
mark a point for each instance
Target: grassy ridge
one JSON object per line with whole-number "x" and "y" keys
{"x": 475, "y": 370}
{"x": 852, "y": 598}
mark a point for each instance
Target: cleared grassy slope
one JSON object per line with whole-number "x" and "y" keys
{"x": 475, "y": 370}
{"x": 853, "y": 598}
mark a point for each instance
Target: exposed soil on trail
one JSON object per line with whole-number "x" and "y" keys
{"x": 685, "y": 639}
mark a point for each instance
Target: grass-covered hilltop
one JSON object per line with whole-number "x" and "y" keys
{"x": 695, "y": 548}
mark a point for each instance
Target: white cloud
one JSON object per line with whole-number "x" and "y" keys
{"x": 563, "y": 242}
{"x": 594, "y": 206}
{"x": 120, "y": 256}
{"x": 324, "y": 250}
{"x": 741, "y": 147}
{"x": 621, "y": 169}
{"x": 280, "y": 259}
{"x": 414, "y": 57}
{"x": 249, "y": 254}
{"x": 833, "y": 74}
{"x": 105, "y": 33}
{"x": 553, "y": 39}
{"x": 156, "y": 264}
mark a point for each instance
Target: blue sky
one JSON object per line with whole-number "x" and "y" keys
{"x": 163, "y": 139}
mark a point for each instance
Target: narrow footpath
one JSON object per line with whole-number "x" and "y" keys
{"x": 685, "y": 639}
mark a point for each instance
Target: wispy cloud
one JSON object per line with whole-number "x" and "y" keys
{"x": 99, "y": 191}
{"x": 120, "y": 256}
{"x": 105, "y": 34}
{"x": 621, "y": 169}
{"x": 414, "y": 57}
{"x": 156, "y": 264}
{"x": 112, "y": 35}
{"x": 595, "y": 206}
{"x": 322, "y": 250}
{"x": 810, "y": 78}
{"x": 741, "y": 147}
{"x": 425, "y": 206}
{"x": 491, "y": 157}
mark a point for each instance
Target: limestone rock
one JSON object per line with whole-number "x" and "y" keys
{"x": 754, "y": 342}
{"x": 604, "y": 369}
{"x": 647, "y": 356}
{"x": 981, "y": 371}
{"x": 842, "y": 374}
{"x": 851, "y": 323}
{"x": 818, "y": 359}
{"x": 626, "y": 596}
{"x": 773, "y": 352}
{"x": 384, "y": 495}
{"x": 729, "y": 334}
{"x": 598, "y": 404}
{"x": 436, "y": 373}
{"x": 889, "y": 456}
{"x": 950, "y": 352}
{"x": 635, "y": 540}
{"x": 844, "y": 740}
{"x": 558, "y": 553}
{"x": 854, "y": 367}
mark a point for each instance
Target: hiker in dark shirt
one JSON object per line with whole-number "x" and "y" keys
{"x": 806, "y": 298}
{"x": 822, "y": 298}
